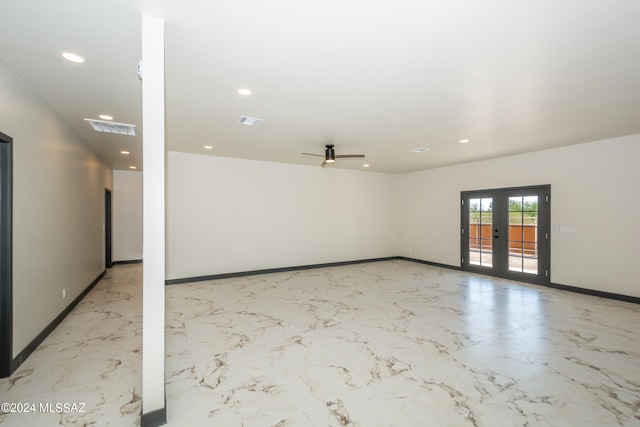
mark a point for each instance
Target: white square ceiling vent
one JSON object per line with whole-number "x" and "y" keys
{"x": 111, "y": 127}
{"x": 249, "y": 121}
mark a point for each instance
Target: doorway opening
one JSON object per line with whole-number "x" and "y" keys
{"x": 108, "y": 261}
{"x": 6, "y": 255}
{"x": 505, "y": 233}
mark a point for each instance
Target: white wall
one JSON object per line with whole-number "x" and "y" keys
{"x": 58, "y": 209}
{"x": 127, "y": 215}
{"x": 594, "y": 200}
{"x": 229, "y": 215}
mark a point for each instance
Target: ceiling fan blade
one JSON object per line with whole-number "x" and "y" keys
{"x": 310, "y": 154}
{"x": 323, "y": 164}
{"x": 346, "y": 156}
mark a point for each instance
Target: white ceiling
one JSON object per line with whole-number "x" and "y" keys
{"x": 373, "y": 77}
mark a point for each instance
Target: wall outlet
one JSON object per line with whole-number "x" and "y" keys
{"x": 64, "y": 293}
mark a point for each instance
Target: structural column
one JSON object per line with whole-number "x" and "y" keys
{"x": 153, "y": 385}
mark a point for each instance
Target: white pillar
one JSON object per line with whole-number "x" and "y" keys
{"x": 153, "y": 385}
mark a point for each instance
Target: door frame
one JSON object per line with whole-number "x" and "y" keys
{"x": 108, "y": 243}
{"x": 501, "y": 223}
{"x": 6, "y": 254}
{"x": 494, "y": 270}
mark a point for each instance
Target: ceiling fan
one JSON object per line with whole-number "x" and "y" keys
{"x": 330, "y": 155}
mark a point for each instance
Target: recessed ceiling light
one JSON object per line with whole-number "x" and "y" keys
{"x": 244, "y": 91}
{"x": 419, "y": 150}
{"x": 125, "y": 152}
{"x": 464, "y": 141}
{"x": 105, "y": 117}
{"x": 73, "y": 57}
{"x": 366, "y": 165}
{"x": 208, "y": 147}
{"x": 132, "y": 167}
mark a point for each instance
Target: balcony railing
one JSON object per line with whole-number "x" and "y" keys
{"x": 523, "y": 238}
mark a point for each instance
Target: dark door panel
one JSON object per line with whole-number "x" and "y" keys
{"x": 505, "y": 233}
{"x": 6, "y": 248}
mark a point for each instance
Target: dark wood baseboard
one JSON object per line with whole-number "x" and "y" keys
{"x": 595, "y": 293}
{"x": 130, "y": 261}
{"x": 274, "y": 270}
{"x": 154, "y": 418}
{"x": 433, "y": 264}
{"x": 30, "y": 348}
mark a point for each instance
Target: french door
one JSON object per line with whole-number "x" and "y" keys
{"x": 505, "y": 233}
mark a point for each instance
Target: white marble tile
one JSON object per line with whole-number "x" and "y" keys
{"x": 634, "y": 422}
{"x": 397, "y": 343}
{"x": 378, "y": 344}
{"x": 396, "y": 401}
{"x": 92, "y": 359}
{"x": 14, "y": 388}
{"x": 126, "y": 399}
{"x": 86, "y": 406}
{"x": 554, "y": 400}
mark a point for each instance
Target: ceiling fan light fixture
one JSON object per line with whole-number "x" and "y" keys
{"x": 329, "y": 154}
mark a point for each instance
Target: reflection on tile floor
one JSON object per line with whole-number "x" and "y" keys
{"x": 381, "y": 344}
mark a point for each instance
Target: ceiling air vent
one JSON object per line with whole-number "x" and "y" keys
{"x": 111, "y": 127}
{"x": 249, "y": 121}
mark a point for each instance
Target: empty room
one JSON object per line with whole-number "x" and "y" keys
{"x": 319, "y": 213}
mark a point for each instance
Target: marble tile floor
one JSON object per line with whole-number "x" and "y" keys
{"x": 390, "y": 343}
{"x": 93, "y": 357}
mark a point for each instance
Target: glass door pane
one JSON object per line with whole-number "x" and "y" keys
{"x": 480, "y": 215}
{"x": 523, "y": 232}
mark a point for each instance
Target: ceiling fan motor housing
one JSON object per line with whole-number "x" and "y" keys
{"x": 330, "y": 155}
